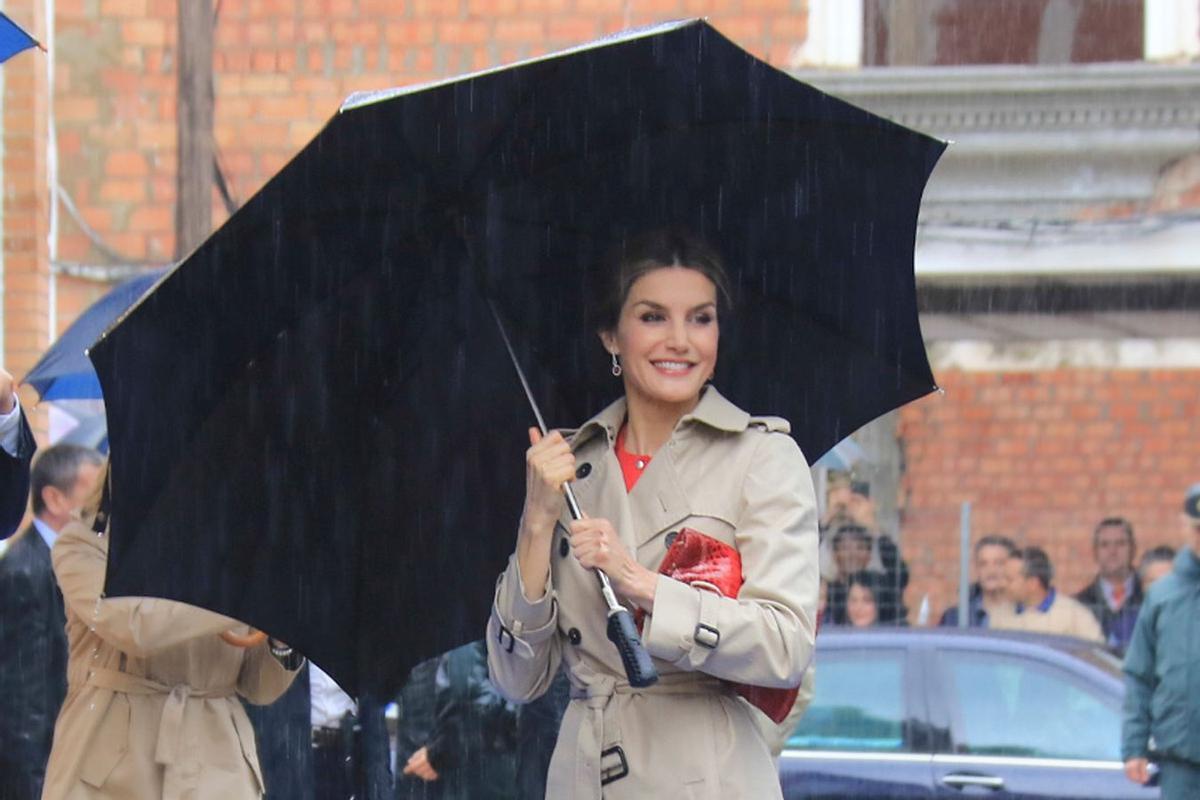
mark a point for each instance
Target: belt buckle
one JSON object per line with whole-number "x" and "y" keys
{"x": 512, "y": 640}
{"x": 616, "y": 771}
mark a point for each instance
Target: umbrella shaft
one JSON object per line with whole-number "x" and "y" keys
{"x": 610, "y": 597}
{"x": 572, "y": 503}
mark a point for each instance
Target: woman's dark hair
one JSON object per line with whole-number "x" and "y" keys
{"x": 633, "y": 258}
{"x": 876, "y": 584}
{"x": 870, "y": 580}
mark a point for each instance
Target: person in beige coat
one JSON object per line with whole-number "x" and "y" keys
{"x": 693, "y": 460}
{"x": 151, "y": 708}
{"x": 1041, "y": 608}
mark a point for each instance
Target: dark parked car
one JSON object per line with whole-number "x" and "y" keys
{"x": 946, "y": 713}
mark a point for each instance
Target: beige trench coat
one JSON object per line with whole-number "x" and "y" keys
{"x": 731, "y": 476}
{"x": 151, "y": 708}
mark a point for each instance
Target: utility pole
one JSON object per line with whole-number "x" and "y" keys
{"x": 194, "y": 125}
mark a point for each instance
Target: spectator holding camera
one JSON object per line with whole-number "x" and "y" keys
{"x": 852, "y": 542}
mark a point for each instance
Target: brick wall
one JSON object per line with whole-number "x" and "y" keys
{"x": 1042, "y": 456}
{"x": 26, "y": 260}
{"x": 282, "y": 67}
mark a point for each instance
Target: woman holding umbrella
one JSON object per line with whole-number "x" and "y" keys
{"x": 671, "y": 456}
{"x": 152, "y": 708}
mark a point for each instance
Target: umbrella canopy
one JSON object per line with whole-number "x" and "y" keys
{"x": 337, "y": 457}
{"x": 64, "y": 371}
{"x": 842, "y": 456}
{"x": 13, "y": 39}
{"x": 91, "y": 432}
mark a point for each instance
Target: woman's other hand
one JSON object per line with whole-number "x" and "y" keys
{"x": 549, "y": 463}
{"x": 596, "y": 545}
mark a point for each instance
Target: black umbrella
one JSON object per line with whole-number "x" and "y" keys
{"x": 337, "y": 455}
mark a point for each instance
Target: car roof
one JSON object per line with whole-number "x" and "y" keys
{"x": 1016, "y": 642}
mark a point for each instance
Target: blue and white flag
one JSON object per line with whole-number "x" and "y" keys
{"x": 13, "y": 39}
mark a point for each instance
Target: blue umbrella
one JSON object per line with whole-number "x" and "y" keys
{"x": 14, "y": 39}
{"x": 90, "y": 432}
{"x": 64, "y": 371}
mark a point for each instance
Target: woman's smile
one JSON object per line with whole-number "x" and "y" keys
{"x": 673, "y": 368}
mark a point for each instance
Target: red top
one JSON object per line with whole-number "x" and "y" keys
{"x": 632, "y": 464}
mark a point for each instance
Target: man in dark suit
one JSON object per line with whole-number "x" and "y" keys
{"x": 16, "y": 450}
{"x": 1115, "y": 596}
{"x": 33, "y": 641}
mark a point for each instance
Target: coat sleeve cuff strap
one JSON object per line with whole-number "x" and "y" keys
{"x": 671, "y": 630}
{"x": 517, "y": 622}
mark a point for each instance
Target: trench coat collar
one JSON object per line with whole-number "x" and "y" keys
{"x": 713, "y": 410}
{"x": 659, "y": 500}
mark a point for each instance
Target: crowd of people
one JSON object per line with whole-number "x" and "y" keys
{"x": 863, "y": 577}
{"x": 1015, "y": 587}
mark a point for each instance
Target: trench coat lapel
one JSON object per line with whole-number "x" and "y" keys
{"x": 603, "y": 486}
{"x": 658, "y": 501}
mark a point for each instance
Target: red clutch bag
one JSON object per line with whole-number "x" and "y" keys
{"x": 707, "y": 563}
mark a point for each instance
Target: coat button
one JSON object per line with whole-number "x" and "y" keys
{"x": 583, "y": 470}
{"x": 564, "y": 547}
{"x": 574, "y": 637}
{"x": 671, "y": 537}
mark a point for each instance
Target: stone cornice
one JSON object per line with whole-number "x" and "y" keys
{"x": 945, "y": 100}
{"x": 1036, "y": 153}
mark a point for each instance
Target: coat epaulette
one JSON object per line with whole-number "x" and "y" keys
{"x": 770, "y": 424}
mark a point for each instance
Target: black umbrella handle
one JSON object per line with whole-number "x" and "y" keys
{"x": 621, "y": 630}
{"x": 623, "y": 633}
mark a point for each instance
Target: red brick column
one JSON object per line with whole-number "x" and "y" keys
{"x": 26, "y": 201}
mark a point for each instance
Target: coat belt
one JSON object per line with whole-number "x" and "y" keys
{"x": 170, "y": 726}
{"x": 596, "y": 690}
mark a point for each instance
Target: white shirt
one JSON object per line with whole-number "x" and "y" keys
{"x": 48, "y": 534}
{"x": 329, "y": 702}
{"x": 10, "y": 428}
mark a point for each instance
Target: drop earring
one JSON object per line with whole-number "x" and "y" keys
{"x": 616, "y": 367}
